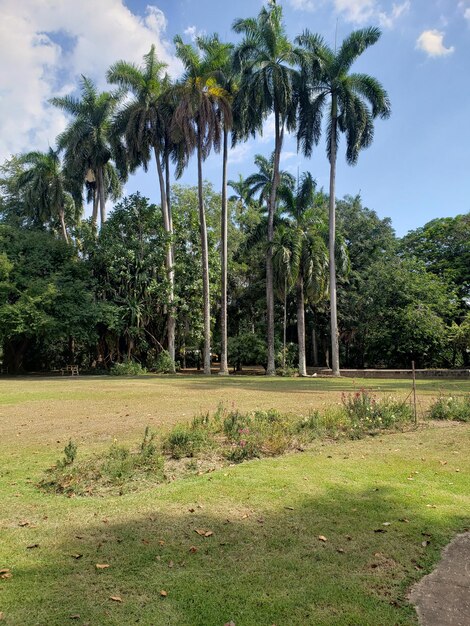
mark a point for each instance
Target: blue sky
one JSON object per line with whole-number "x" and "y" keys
{"x": 418, "y": 166}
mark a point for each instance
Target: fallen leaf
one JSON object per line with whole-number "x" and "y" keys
{"x": 1, "y": 616}
{"x": 32, "y": 545}
{"x": 431, "y": 506}
{"x": 102, "y": 566}
{"x": 387, "y": 524}
{"x": 404, "y": 520}
{"x": 115, "y": 598}
{"x": 146, "y": 541}
{"x": 163, "y": 593}
{"x": 322, "y": 538}
{"x": 425, "y": 543}
{"x": 76, "y": 556}
{"x": 24, "y": 523}
{"x": 161, "y": 542}
{"x": 340, "y": 550}
{"x": 191, "y": 510}
{"x": 443, "y": 462}
{"x": 209, "y": 533}
{"x": 5, "y": 573}
{"x": 380, "y": 530}
{"x": 171, "y": 564}
{"x": 193, "y": 549}
{"x": 289, "y": 508}
{"x": 76, "y": 616}
{"x": 230, "y": 624}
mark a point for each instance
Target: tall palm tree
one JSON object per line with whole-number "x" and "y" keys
{"x": 87, "y": 142}
{"x": 144, "y": 125}
{"x": 308, "y": 264}
{"x": 219, "y": 57}
{"x": 351, "y": 102}
{"x": 48, "y": 195}
{"x": 196, "y": 123}
{"x": 266, "y": 60}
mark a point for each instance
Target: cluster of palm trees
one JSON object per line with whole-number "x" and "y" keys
{"x": 224, "y": 96}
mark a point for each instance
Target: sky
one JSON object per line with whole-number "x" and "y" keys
{"x": 418, "y": 166}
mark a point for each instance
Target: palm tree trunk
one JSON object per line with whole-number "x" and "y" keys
{"x": 205, "y": 261}
{"x": 331, "y": 243}
{"x": 102, "y": 196}
{"x": 171, "y": 322}
{"x": 224, "y": 260}
{"x": 301, "y": 326}
{"x": 168, "y": 193}
{"x": 94, "y": 217}
{"x": 315, "y": 347}
{"x": 284, "y": 337}
{"x": 271, "y": 367}
{"x": 62, "y": 224}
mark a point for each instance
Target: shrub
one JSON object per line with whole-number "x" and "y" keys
{"x": 455, "y": 408}
{"x": 128, "y": 368}
{"x": 365, "y": 411}
{"x": 186, "y": 440}
{"x": 163, "y": 363}
{"x": 261, "y": 433}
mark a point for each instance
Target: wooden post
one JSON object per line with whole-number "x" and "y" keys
{"x": 414, "y": 392}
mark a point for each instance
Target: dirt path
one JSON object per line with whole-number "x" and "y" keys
{"x": 443, "y": 597}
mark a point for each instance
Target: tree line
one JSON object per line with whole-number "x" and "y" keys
{"x": 134, "y": 287}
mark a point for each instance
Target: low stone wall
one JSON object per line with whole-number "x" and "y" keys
{"x": 420, "y": 374}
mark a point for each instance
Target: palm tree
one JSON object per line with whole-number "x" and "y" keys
{"x": 88, "y": 145}
{"x": 266, "y": 60}
{"x": 196, "y": 123}
{"x": 47, "y": 193}
{"x": 351, "y": 102}
{"x": 260, "y": 183}
{"x": 144, "y": 124}
{"x": 219, "y": 58}
{"x": 308, "y": 256}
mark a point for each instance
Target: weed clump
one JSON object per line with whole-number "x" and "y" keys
{"x": 455, "y": 408}
{"x": 186, "y": 440}
{"x": 118, "y": 469}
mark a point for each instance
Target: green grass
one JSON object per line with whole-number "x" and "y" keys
{"x": 264, "y": 563}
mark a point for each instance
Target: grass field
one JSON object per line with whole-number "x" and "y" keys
{"x": 385, "y": 505}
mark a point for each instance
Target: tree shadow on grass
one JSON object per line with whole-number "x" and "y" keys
{"x": 255, "y": 567}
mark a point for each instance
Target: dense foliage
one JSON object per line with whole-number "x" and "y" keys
{"x": 278, "y": 275}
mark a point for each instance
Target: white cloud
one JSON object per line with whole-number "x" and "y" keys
{"x": 432, "y": 42}
{"x": 357, "y": 11}
{"x": 193, "y": 33}
{"x": 240, "y": 153}
{"x": 46, "y": 46}
{"x": 387, "y": 20}
{"x": 466, "y": 14}
{"x": 304, "y": 5}
{"x": 286, "y": 156}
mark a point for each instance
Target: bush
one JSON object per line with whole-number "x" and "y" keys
{"x": 186, "y": 440}
{"x": 162, "y": 363}
{"x": 366, "y": 412}
{"x": 261, "y": 433}
{"x": 128, "y": 368}
{"x": 455, "y": 408}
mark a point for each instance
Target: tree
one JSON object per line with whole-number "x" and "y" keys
{"x": 144, "y": 124}
{"x": 219, "y": 58}
{"x": 44, "y": 192}
{"x": 88, "y": 143}
{"x": 351, "y": 101}
{"x": 266, "y": 61}
{"x": 308, "y": 267}
{"x": 196, "y": 123}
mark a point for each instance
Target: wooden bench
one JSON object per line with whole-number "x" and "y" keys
{"x": 69, "y": 369}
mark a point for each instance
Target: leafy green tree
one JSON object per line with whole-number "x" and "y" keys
{"x": 128, "y": 263}
{"x": 444, "y": 246}
{"x": 88, "y": 143}
{"x": 266, "y": 61}
{"x": 351, "y": 101}
{"x": 144, "y": 124}
{"x": 196, "y": 123}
